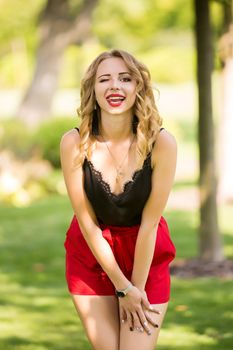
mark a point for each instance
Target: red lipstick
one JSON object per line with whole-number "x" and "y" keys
{"x": 115, "y": 100}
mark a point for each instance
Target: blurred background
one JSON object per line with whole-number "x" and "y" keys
{"x": 45, "y": 47}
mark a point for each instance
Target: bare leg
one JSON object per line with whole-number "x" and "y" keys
{"x": 100, "y": 318}
{"x": 142, "y": 341}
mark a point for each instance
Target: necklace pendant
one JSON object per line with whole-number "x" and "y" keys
{"x": 117, "y": 180}
{"x": 120, "y": 173}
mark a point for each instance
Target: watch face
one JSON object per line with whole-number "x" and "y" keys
{"x": 120, "y": 294}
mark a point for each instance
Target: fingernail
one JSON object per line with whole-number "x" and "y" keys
{"x": 141, "y": 329}
{"x": 131, "y": 328}
{"x": 122, "y": 321}
{"x": 151, "y": 307}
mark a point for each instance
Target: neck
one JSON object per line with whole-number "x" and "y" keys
{"x": 116, "y": 127}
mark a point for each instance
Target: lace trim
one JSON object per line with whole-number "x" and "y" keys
{"x": 126, "y": 185}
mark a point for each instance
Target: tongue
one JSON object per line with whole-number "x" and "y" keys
{"x": 115, "y": 102}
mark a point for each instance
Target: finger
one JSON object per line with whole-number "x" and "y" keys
{"x": 144, "y": 322}
{"x": 149, "y": 319}
{"x": 130, "y": 320}
{"x": 123, "y": 315}
{"x": 145, "y": 303}
{"x": 152, "y": 309}
{"x": 136, "y": 322}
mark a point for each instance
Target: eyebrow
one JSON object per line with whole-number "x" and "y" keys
{"x": 110, "y": 74}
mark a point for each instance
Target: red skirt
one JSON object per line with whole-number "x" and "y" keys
{"x": 86, "y": 277}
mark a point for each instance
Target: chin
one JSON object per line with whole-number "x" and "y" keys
{"x": 116, "y": 111}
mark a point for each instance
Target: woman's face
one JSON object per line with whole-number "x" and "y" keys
{"x": 115, "y": 89}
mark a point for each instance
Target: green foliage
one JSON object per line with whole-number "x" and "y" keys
{"x": 76, "y": 60}
{"x": 18, "y": 40}
{"x": 31, "y": 161}
{"x": 146, "y": 28}
{"x": 18, "y": 19}
{"x": 18, "y": 56}
{"x": 48, "y": 138}
{"x": 43, "y": 142}
{"x": 170, "y": 60}
{"x": 134, "y": 25}
{"x": 16, "y": 138}
{"x": 72, "y": 68}
{"x": 226, "y": 2}
{"x": 172, "y": 64}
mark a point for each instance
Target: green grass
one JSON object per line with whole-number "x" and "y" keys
{"x": 36, "y": 312}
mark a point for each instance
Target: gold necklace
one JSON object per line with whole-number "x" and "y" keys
{"x": 119, "y": 172}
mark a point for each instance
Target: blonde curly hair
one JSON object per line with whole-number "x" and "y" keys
{"x": 147, "y": 120}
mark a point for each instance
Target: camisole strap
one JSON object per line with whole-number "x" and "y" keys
{"x": 155, "y": 140}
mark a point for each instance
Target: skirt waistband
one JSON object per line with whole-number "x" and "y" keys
{"x": 124, "y": 230}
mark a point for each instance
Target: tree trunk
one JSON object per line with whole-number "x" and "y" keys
{"x": 225, "y": 192}
{"x": 210, "y": 240}
{"x": 58, "y": 30}
{"x": 227, "y": 15}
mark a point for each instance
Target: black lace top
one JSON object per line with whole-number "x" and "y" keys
{"x": 125, "y": 208}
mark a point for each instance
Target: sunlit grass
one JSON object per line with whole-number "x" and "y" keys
{"x": 37, "y": 312}
{"x": 199, "y": 314}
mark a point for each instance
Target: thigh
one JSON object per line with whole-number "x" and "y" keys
{"x": 142, "y": 341}
{"x": 100, "y": 318}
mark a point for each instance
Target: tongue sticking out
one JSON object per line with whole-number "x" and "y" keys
{"x": 115, "y": 101}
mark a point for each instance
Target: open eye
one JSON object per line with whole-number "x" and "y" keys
{"x": 126, "y": 79}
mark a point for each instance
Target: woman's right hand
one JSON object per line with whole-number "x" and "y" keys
{"x": 133, "y": 309}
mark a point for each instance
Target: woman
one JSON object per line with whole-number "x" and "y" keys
{"x": 119, "y": 168}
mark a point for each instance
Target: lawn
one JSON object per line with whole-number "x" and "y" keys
{"x": 36, "y": 310}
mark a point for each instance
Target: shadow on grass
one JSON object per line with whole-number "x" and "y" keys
{"x": 198, "y": 306}
{"x": 201, "y": 307}
{"x": 36, "y": 310}
{"x": 23, "y": 343}
{"x": 38, "y": 314}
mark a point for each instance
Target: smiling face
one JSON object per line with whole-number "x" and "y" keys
{"x": 115, "y": 88}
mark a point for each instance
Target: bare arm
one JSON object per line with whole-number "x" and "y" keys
{"x": 164, "y": 160}
{"x": 84, "y": 212}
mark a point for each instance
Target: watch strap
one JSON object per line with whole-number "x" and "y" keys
{"x": 126, "y": 290}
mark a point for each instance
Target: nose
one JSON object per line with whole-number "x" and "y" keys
{"x": 114, "y": 84}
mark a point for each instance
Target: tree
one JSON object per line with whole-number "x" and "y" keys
{"x": 227, "y": 15}
{"x": 58, "y": 30}
{"x": 226, "y": 120}
{"x": 210, "y": 239}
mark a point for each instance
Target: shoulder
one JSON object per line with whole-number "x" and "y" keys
{"x": 165, "y": 141}
{"x": 165, "y": 147}
{"x": 69, "y": 140}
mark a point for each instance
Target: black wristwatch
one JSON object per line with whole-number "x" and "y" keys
{"x": 123, "y": 292}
